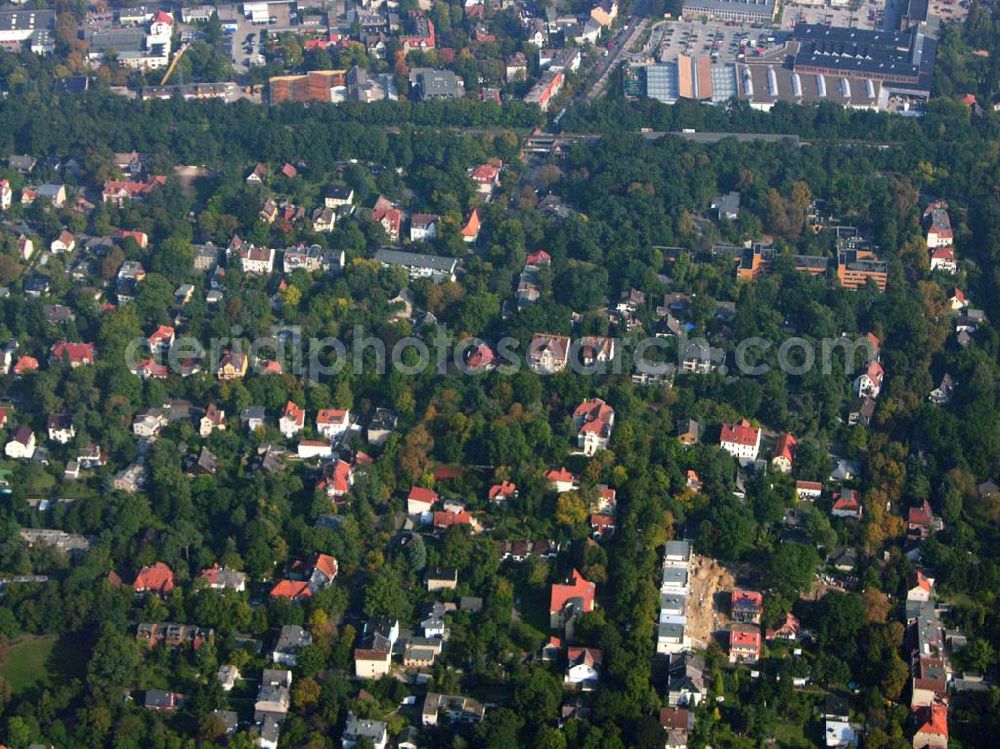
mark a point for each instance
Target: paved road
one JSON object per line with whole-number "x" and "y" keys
{"x": 618, "y": 47}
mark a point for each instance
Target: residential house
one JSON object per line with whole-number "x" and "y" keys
{"x": 562, "y": 480}
{"x": 486, "y": 177}
{"x": 548, "y": 353}
{"x": 932, "y": 727}
{"x": 160, "y": 701}
{"x": 470, "y": 229}
{"x": 161, "y": 339}
{"x": 292, "y": 420}
{"x": 742, "y": 441}
{"x": 688, "y": 432}
{"x": 227, "y": 675}
{"x": 420, "y": 500}
{"x": 807, "y": 491}
{"x": 746, "y": 606}
{"x": 570, "y": 599}
{"x": 274, "y": 696}
{"x": 332, "y": 422}
{"x": 596, "y": 349}
{"x": 77, "y": 354}
{"x": 382, "y": 424}
{"x": 943, "y": 259}
{"x": 783, "y": 454}
{"x": 921, "y": 521}
{"x": 938, "y": 223}
{"x": 686, "y": 680}
{"x": 605, "y": 13}
{"x": 744, "y": 646}
{"x": 174, "y": 635}
{"x": 232, "y": 366}
{"x": 257, "y": 260}
{"x": 957, "y": 299}
{"x": 65, "y": 242}
{"x": 788, "y": 630}
{"x": 223, "y": 578}
{"x": 213, "y": 420}
{"x": 386, "y": 214}
{"x": 22, "y": 445}
{"x": 583, "y": 667}
{"x": 919, "y": 587}
{"x": 423, "y": 227}
{"x": 593, "y": 420}
{"x": 861, "y": 411}
{"x": 148, "y": 423}
{"x": 846, "y": 504}
{"x": 441, "y": 578}
{"x": 60, "y": 428}
{"x": 291, "y": 640}
{"x": 157, "y": 578}
{"x": 336, "y": 479}
{"x": 356, "y": 730}
{"x": 252, "y": 418}
{"x": 502, "y": 492}
{"x": 727, "y": 207}
{"x": 338, "y": 196}
{"x": 456, "y": 709}
{"x": 943, "y": 393}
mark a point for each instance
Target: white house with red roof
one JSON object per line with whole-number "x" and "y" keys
{"x": 162, "y": 24}
{"x": 808, "y": 490}
{"x": 292, "y": 421}
{"x": 570, "y": 599}
{"x": 932, "y": 727}
{"x": 420, "y": 500}
{"x": 742, "y": 441}
{"x": 386, "y": 214}
{"x": 744, "y": 646}
{"x": 157, "y": 578}
{"x": 562, "y": 480}
{"x": 583, "y": 667}
{"x": 943, "y": 259}
{"x": 161, "y": 339}
{"x": 919, "y": 587}
{"x": 336, "y": 479}
{"x": 783, "y": 454}
{"x": 957, "y": 299}
{"x": 486, "y": 177}
{"x": 538, "y": 259}
{"x": 6, "y": 195}
{"x": 332, "y": 422}
{"x": 78, "y": 354}
{"x": 594, "y": 420}
{"x": 869, "y": 382}
{"x": 257, "y": 260}
{"x": 939, "y": 231}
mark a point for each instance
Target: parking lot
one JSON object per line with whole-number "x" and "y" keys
{"x": 719, "y": 40}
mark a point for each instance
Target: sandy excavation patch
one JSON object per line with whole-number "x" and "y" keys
{"x": 707, "y": 607}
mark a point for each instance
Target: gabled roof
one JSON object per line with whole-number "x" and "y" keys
{"x": 584, "y": 657}
{"x": 422, "y": 494}
{"x": 934, "y": 720}
{"x": 293, "y": 412}
{"x": 785, "y": 447}
{"x": 739, "y": 434}
{"x": 331, "y": 416}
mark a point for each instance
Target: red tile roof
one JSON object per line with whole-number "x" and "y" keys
{"x": 291, "y": 589}
{"x": 293, "y": 412}
{"x": 934, "y": 720}
{"x": 739, "y": 434}
{"x": 503, "y": 490}
{"x": 445, "y": 519}
{"x": 421, "y": 494}
{"x": 785, "y": 447}
{"x": 577, "y": 587}
{"x": 158, "y": 578}
{"x": 77, "y": 353}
